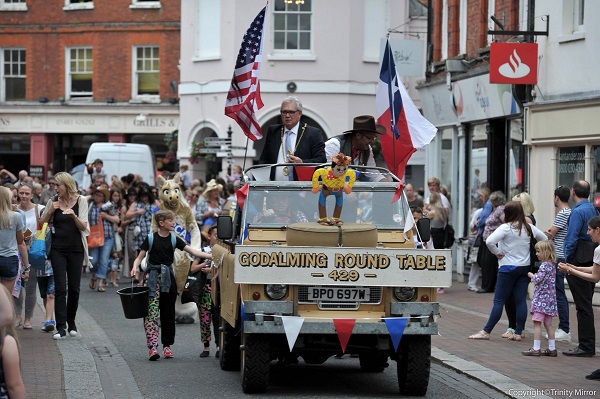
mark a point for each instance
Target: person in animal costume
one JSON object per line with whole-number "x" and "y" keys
{"x": 172, "y": 198}
{"x": 335, "y": 180}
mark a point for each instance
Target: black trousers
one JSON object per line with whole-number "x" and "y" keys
{"x": 67, "y": 268}
{"x": 582, "y": 292}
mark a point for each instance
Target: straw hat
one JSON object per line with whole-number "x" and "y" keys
{"x": 211, "y": 185}
{"x": 103, "y": 191}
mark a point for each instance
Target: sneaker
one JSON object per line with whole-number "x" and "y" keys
{"x": 551, "y": 353}
{"x": 205, "y": 353}
{"x": 49, "y": 326}
{"x": 153, "y": 356}
{"x": 594, "y": 376}
{"x": 168, "y": 352}
{"x": 441, "y": 291}
{"x": 73, "y": 331}
{"x": 473, "y": 289}
{"x": 560, "y": 335}
{"x": 532, "y": 352}
{"x": 60, "y": 334}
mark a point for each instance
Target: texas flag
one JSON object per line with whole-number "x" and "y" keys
{"x": 406, "y": 128}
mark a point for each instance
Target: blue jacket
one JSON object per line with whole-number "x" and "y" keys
{"x": 485, "y": 212}
{"x": 577, "y": 227}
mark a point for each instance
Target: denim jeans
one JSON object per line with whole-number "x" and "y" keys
{"x": 509, "y": 282}
{"x": 101, "y": 257}
{"x": 561, "y": 299}
{"x": 9, "y": 267}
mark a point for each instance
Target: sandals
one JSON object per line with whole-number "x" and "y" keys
{"x": 515, "y": 337}
{"x": 101, "y": 288}
{"x": 509, "y": 333}
{"x": 93, "y": 283}
{"x": 480, "y": 335}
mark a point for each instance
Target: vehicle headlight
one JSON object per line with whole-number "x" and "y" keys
{"x": 405, "y": 294}
{"x": 276, "y": 291}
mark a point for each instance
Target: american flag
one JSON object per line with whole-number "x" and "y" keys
{"x": 243, "y": 99}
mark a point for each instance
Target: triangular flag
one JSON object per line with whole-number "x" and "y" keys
{"x": 398, "y": 192}
{"x": 242, "y": 194}
{"x": 344, "y": 329}
{"x": 261, "y": 173}
{"x": 396, "y": 326}
{"x": 292, "y": 326}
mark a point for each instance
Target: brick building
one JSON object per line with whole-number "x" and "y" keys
{"x": 77, "y": 72}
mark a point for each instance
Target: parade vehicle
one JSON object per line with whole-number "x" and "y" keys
{"x": 292, "y": 288}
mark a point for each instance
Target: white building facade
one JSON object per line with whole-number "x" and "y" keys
{"x": 325, "y": 53}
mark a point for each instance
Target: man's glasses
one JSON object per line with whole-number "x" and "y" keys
{"x": 290, "y": 113}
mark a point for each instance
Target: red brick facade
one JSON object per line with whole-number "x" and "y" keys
{"x": 112, "y": 28}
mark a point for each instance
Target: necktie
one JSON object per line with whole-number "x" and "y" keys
{"x": 289, "y": 149}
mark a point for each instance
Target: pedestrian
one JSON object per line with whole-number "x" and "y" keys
{"x": 23, "y": 255}
{"x": 11, "y": 241}
{"x": 411, "y": 197}
{"x": 543, "y": 303}
{"x": 439, "y": 222}
{"x": 208, "y": 310}
{"x": 50, "y": 192}
{"x": 186, "y": 180}
{"x": 140, "y": 212}
{"x": 160, "y": 279}
{"x": 477, "y": 225}
{"x": 486, "y": 260}
{"x": 33, "y": 213}
{"x": 356, "y": 144}
{"x": 11, "y": 380}
{"x": 557, "y": 233}
{"x": 292, "y": 141}
{"x": 119, "y": 210}
{"x": 434, "y": 185}
{"x": 128, "y": 226}
{"x": 576, "y": 243}
{"x": 101, "y": 211}
{"x": 510, "y": 243}
{"x": 590, "y": 273}
{"x": 209, "y": 206}
{"x": 68, "y": 212}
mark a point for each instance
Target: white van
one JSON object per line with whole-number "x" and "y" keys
{"x": 121, "y": 159}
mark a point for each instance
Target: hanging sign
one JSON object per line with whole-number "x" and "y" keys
{"x": 514, "y": 63}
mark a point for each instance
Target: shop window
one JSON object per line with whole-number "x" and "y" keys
{"x": 145, "y": 4}
{"x": 596, "y": 174}
{"x": 14, "y": 77}
{"x": 292, "y": 27}
{"x": 571, "y": 165}
{"x": 78, "y": 5}
{"x": 516, "y": 159}
{"x": 478, "y": 177}
{"x": 13, "y": 5}
{"x": 80, "y": 69}
{"x": 147, "y": 72}
{"x": 446, "y": 161}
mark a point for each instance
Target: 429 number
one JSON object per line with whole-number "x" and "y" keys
{"x": 344, "y": 275}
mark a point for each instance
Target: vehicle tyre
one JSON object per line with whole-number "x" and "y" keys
{"x": 255, "y": 364}
{"x": 414, "y": 362}
{"x": 229, "y": 356}
{"x": 373, "y": 362}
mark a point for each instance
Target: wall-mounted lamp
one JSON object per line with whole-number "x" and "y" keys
{"x": 173, "y": 100}
{"x": 110, "y": 100}
{"x": 140, "y": 118}
{"x": 43, "y": 100}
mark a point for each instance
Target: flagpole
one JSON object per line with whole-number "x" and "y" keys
{"x": 390, "y": 54}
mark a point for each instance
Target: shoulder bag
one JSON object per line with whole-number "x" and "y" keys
{"x": 534, "y": 262}
{"x": 96, "y": 237}
{"x": 40, "y": 248}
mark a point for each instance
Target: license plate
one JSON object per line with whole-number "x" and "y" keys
{"x": 339, "y": 294}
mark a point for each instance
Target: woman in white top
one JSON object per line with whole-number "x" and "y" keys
{"x": 510, "y": 243}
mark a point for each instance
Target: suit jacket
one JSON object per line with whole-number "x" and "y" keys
{"x": 311, "y": 148}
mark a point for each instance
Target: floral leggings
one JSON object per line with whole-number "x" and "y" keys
{"x": 161, "y": 305}
{"x": 208, "y": 312}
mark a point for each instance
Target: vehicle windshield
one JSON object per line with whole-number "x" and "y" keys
{"x": 277, "y": 207}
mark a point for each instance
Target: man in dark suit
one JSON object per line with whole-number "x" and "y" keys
{"x": 292, "y": 142}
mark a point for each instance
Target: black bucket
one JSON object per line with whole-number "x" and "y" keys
{"x": 134, "y": 301}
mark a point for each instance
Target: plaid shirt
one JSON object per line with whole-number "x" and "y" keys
{"x": 93, "y": 216}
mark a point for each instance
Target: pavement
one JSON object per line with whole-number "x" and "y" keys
{"x": 90, "y": 365}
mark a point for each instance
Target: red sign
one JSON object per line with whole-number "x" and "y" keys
{"x": 514, "y": 63}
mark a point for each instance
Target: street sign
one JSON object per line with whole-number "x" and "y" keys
{"x": 224, "y": 154}
{"x": 216, "y": 141}
{"x": 36, "y": 171}
{"x": 209, "y": 150}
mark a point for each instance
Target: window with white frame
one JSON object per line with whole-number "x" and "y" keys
{"x": 578, "y": 15}
{"x": 14, "y": 74}
{"x": 145, "y": 4}
{"x": 146, "y": 71}
{"x": 80, "y": 72}
{"x": 13, "y": 5}
{"x": 78, "y": 5}
{"x": 573, "y": 20}
{"x": 292, "y": 26}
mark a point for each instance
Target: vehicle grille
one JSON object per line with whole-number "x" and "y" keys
{"x": 375, "y": 299}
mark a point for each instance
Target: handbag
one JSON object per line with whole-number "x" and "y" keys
{"x": 584, "y": 253}
{"x": 118, "y": 247}
{"x": 449, "y": 236}
{"x": 534, "y": 262}
{"x": 40, "y": 248}
{"x": 478, "y": 241}
{"x": 194, "y": 287}
{"x": 96, "y": 237}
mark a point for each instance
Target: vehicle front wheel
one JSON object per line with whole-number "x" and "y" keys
{"x": 414, "y": 363}
{"x": 229, "y": 338}
{"x": 255, "y": 364}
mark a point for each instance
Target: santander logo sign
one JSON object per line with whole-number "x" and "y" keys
{"x": 513, "y": 63}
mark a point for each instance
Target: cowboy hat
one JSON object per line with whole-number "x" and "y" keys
{"x": 211, "y": 185}
{"x": 103, "y": 191}
{"x": 364, "y": 124}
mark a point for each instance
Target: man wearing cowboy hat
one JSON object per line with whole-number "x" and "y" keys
{"x": 356, "y": 143}
{"x": 292, "y": 142}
